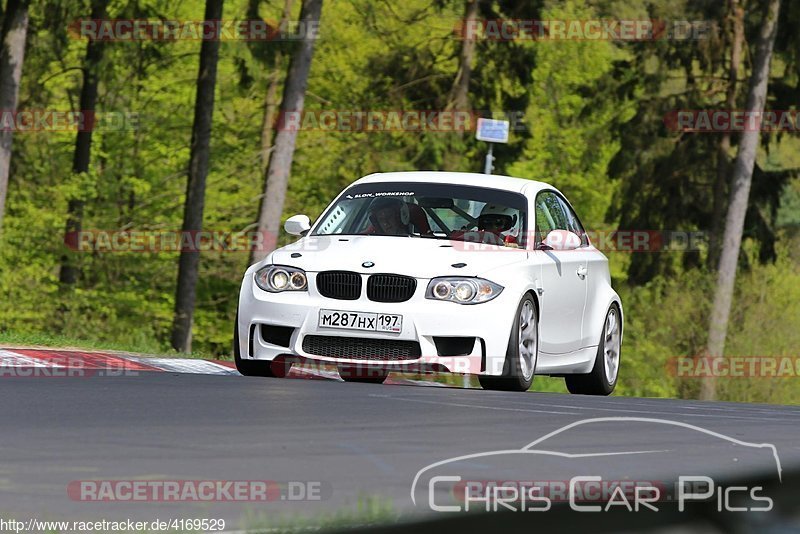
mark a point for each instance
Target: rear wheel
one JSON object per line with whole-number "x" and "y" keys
{"x": 522, "y": 353}
{"x": 364, "y": 374}
{"x": 249, "y": 367}
{"x": 603, "y": 378}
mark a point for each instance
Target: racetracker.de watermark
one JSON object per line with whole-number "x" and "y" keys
{"x": 67, "y": 371}
{"x": 197, "y": 490}
{"x": 584, "y": 30}
{"x": 192, "y": 30}
{"x": 734, "y": 366}
{"x": 65, "y": 367}
{"x": 732, "y": 120}
{"x": 603, "y": 240}
{"x": 403, "y": 120}
{"x": 156, "y": 241}
{"x": 50, "y": 120}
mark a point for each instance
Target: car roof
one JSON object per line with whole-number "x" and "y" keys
{"x": 495, "y": 181}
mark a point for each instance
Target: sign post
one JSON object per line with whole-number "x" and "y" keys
{"x": 491, "y": 131}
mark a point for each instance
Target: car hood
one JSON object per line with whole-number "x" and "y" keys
{"x": 412, "y": 256}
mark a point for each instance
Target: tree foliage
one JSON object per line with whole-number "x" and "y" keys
{"x": 591, "y": 122}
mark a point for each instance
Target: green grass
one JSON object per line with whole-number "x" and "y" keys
{"x": 369, "y": 510}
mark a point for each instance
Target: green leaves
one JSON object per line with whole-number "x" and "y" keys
{"x": 571, "y": 117}
{"x": 592, "y": 125}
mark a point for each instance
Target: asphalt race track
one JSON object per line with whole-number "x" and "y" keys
{"x": 357, "y": 441}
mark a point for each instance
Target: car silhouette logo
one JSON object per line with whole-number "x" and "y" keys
{"x": 368, "y": 264}
{"x": 544, "y": 448}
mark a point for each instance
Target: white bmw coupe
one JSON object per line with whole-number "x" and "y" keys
{"x": 436, "y": 272}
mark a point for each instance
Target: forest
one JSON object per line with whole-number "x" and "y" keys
{"x": 171, "y": 128}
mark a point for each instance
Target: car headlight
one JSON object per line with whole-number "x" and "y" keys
{"x": 278, "y": 278}
{"x": 462, "y": 290}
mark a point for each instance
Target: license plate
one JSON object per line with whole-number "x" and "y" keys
{"x": 377, "y": 322}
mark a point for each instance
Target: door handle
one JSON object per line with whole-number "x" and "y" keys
{"x": 581, "y": 272}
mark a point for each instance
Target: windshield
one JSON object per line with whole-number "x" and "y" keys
{"x": 438, "y": 211}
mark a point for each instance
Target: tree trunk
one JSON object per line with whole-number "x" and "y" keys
{"x": 459, "y": 95}
{"x": 12, "y": 56}
{"x": 736, "y": 17}
{"x": 740, "y": 192}
{"x": 280, "y": 161}
{"x": 271, "y": 99}
{"x": 83, "y": 142}
{"x": 270, "y": 110}
{"x": 189, "y": 263}
{"x": 270, "y": 116}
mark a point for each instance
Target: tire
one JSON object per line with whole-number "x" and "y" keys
{"x": 366, "y": 375}
{"x": 522, "y": 354}
{"x": 249, "y": 367}
{"x": 603, "y": 378}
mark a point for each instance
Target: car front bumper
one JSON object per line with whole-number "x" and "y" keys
{"x": 429, "y": 323}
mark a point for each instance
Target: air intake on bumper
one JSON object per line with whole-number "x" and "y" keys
{"x": 356, "y": 348}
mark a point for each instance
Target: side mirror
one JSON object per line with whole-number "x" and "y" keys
{"x": 561, "y": 240}
{"x": 297, "y": 225}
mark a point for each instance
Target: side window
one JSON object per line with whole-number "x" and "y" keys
{"x": 544, "y": 223}
{"x": 550, "y": 215}
{"x": 573, "y": 224}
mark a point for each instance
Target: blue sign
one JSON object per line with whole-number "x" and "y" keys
{"x": 491, "y": 130}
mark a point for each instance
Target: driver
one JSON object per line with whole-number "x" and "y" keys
{"x": 389, "y": 216}
{"x": 499, "y": 220}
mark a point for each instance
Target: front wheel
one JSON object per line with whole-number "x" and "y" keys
{"x": 522, "y": 353}
{"x": 603, "y": 378}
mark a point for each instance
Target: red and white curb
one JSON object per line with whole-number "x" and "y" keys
{"x": 113, "y": 363}
{"x": 49, "y": 362}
